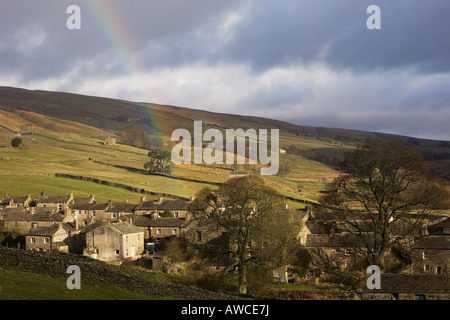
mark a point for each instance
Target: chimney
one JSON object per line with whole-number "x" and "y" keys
{"x": 109, "y": 204}
{"x": 91, "y": 198}
{"x": 143, "y": 199}
{"x": 42, "y": 194}
{"x": 191, "y": 198}
{"x": 76, "y": 224}
{"x": 160, "y": 199}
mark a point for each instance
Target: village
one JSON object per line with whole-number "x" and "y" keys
{"x": 115, "y": 232}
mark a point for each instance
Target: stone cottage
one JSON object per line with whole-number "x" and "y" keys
{"x": 113, "y": 241}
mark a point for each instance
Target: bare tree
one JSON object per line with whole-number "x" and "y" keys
{"x": 242, "y": 207}
{"x": 383, "y": 196}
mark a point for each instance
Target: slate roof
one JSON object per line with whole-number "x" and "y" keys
{"x": 412, "y": 283}
{"x": 90, "y": 206}
{"x": 43, "y": 231}
{"x": 433, "y": 243}
{"x": 167, "y": 204}
{"x": 54, "y": 199}
{"x": 125, "y": 228}
{"x": 147, "y": 205}
{"x": 39, "y": 215}
{"x": 121, "y": 207}
{"x": 146, "y": 221}
{"x": 15, "y": 199}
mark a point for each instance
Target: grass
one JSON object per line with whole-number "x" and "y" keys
{"x": 31, "y": 168}
{"x": 19, "y": 285}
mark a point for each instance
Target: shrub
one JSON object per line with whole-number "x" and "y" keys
{"x": 16, "y": 142}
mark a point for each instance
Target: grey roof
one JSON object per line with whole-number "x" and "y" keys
{"x": 43, "y": 231}
{"x": 83, "y": 200}
{"x": 40, "y": 215}
{"x": 147, "y": 205}
{"x": 144, "y": 221}
{"x": 412, "y": 283}
{"x": 54, "y": 199}
{"x": 91, "y": 226}
{"x": 121, "y": 227}
{"x": 90, "y": 206}
{"x": 167, "y": 204}
{"x": 15, "y": 199}
{"x": 173, "y": 205}
{"x": 125, "y": 228}
{"x": 439, "y": 242}
{"x": 121, "y": 207}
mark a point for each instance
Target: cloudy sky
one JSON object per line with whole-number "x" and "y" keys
{"x": 309, "y": 62}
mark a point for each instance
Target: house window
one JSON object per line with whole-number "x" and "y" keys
{"x": 126, "y": 238}
{"x": 175, "y": 214}
{"x": 85, "y": 212}
{"x": 93, "y": 213}
{"x": 117, "y": 252}
{"x": 426, "y": 268}
{"x": 127, "y": 252}
{"x": 157, "y": 241}
{"x": 113, "y": 215}
{"x": 438, "y": 269}
{"x": 425, "y": 255}
{"x": 139, "y": 237}
{"x": 347, "y": 252}
{"x": 199, "y": 235}
{"x": 174, "y": 231}
{"x": 46, "y": 240}
{"x": 276, "y": 274}
{"x": 33, "y": 240}
{"x": 420, "y": 297}
{"x": 60, "y": 207}
{"x": 158, "y": 231}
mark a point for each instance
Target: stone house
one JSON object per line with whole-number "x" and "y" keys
{"x": 409, "y": 287}
{"x": 86, "y": 212}
{"x": 59, "y": 203}
{"x": 431, "y": 254}
{"x": 78, "y": 201}
{"x": 161, "y": 230}
{"x": 119, "y": 211}
{"x": 47, "y": 238}
{"x": 177, "y": 208}
{"x": 331, "y": 243}
{"x": 21, "y": 221}
{"x": 109, "y": 141}
{"x": 22, "y": 202}
{"x": 113, "y": 241}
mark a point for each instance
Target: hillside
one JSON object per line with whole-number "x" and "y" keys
{"x": 311, "y": 158}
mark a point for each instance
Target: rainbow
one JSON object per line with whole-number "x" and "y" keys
{"x": 116, "y": 33}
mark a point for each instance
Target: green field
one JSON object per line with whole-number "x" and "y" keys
{"x": 20, "y": 285}
{"x": 31, "y": 168}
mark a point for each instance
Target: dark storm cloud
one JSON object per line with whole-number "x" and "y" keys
{"x": 414, "y": 33}
{"x": 312, "y": 62}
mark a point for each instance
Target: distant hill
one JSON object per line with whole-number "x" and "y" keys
{"x": 20, "y": 121}
{"x": 114, "y": 115}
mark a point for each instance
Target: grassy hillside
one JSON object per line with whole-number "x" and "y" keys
{"x": 43, "y": 275}
{"x": 69, "y": 138}
{"x": 22, "y": 285}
